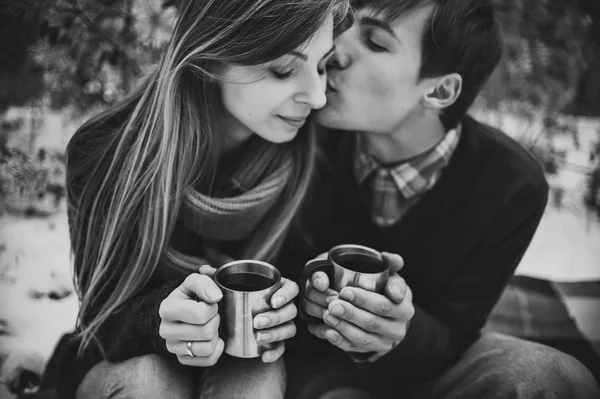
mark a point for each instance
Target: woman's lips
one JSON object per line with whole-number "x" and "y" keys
{"x": 296, "y": 122}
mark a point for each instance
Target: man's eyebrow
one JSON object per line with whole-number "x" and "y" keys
{"x": 379, "y": 24}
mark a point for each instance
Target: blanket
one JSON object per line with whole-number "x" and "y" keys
{"x": 565, "y": 316}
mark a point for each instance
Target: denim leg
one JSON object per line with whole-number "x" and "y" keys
{"x": 233, "y": 378}
{"x": 148, "y": 377}
{"x": 498, "y": 366}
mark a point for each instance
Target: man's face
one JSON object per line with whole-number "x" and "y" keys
{"x": 373, "y": 84}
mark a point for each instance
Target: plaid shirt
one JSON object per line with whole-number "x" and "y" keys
{"x": 392, "y": 191}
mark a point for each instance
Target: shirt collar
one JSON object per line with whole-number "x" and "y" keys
{"x": 414, "y": 176}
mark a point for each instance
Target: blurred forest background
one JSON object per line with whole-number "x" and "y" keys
{"x": 74, "y": 57}
{"x": 62, "y": 61}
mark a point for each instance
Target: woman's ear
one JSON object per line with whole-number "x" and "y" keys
{"x": 444, "y": 92}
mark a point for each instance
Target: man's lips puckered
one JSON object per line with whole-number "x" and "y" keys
{"x": 331, "y": 85}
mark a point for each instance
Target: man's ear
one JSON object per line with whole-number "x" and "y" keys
{"x": 444, "y": 92}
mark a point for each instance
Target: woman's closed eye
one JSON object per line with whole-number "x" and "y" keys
{"x": 283, "y": 75}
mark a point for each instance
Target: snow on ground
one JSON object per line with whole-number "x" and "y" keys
{"x": 34, "y": 268}
{"x": 566, "y": 247}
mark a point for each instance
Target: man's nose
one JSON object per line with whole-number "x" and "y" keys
{"x": 341, "y": 56}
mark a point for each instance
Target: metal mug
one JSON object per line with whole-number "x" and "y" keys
{"x": 346, "y": 265}
{"x": 247, "y": 287}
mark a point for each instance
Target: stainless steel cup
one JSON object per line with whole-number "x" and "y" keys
{"x": 347, "y": 265}
{"x": 247, "y": 287}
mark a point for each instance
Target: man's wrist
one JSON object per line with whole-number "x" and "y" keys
{"x": 374, "y": 356}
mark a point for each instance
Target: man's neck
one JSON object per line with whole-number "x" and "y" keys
{"x": 408, "y": 140}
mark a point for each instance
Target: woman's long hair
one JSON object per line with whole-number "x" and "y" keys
{"x": 164, "y": 142}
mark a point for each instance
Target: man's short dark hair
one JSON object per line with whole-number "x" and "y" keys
{"x": 461, "y": 36}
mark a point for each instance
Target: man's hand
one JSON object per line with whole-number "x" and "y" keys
{"x": 363, "y": 321}
{"x": 316, "y": 293}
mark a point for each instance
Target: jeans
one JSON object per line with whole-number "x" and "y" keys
{"x": 153, "y": 376}
{"x": 494, "y": 367}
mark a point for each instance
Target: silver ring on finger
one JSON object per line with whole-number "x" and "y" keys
{"x": 188, "y": 349}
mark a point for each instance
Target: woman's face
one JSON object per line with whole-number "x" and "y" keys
{"x": 274, "y": 99}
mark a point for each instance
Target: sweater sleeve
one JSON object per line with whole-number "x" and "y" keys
{"x": 443, "y": 328}
{"x": 133, "y": 331}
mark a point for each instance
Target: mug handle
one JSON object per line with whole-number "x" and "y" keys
{"x": 311, "y": 267}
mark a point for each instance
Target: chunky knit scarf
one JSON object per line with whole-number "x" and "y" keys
{"x": 234, "y": 210}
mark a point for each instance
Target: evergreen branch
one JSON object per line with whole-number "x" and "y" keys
{"x": 29, "y": 10}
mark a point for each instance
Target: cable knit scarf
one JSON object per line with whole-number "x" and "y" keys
{"x": 235, "y": 210}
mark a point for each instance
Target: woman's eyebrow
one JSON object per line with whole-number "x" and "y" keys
{"x": 304, "y": 57}
{"x": 300, "y": 55}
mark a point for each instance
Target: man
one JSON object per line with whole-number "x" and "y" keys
{"x": 411, "y": 174}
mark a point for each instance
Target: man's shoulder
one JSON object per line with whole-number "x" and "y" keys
{"x": 499, "y": 154}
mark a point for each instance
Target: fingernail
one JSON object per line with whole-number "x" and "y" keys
{"x": 347, "y": 294}
{"x": 319, "y": 283}
{"x": 331, "y": 320}
{"x": 260, "y": 322}
{"x": 331, "y": 298}
{"x": 396, "y": 290}
{"x": 332, "y": 336}
{"x": 263, "y": 336}
{"x": 338, "y": 310}
{"x": 278, "y": 301}
{"x": 267, "y": 357}
{"x": 213, "y": 293}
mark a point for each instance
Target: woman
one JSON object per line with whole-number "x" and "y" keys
{"x": 207, "y": 161}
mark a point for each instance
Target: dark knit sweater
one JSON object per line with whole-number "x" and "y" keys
{"x": 461, "y": 243}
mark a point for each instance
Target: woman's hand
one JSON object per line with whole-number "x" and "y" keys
{"x": 190, "y": 314}
{"x": 275, "y": 325}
